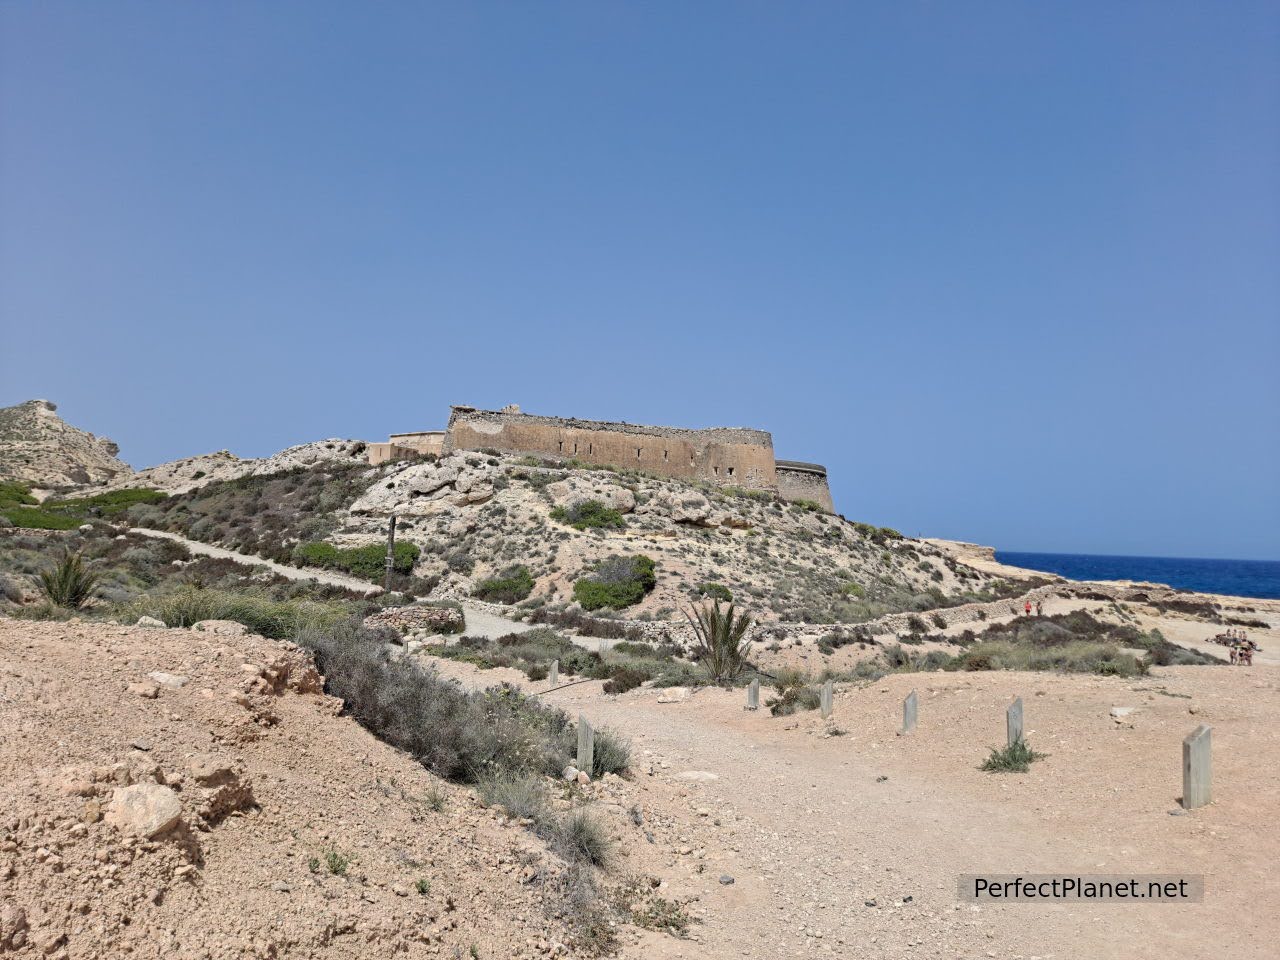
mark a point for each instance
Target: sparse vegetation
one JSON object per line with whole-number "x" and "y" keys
{"x": 616, "y": 582}
{"x": 367, "y": 562}
{"x": 589, "y": 515}
{"x": 510, "y": 586}
{"x": 1017, "y": 757}
{"x": 720, "y": 643}
{"x": 70, "y": 583}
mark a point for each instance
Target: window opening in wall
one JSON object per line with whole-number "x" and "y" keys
{"x": 664, "y": 454}
{"x": 717, "y": 470}
{"x": 575, "y": 448}
{"x": 638, "y": 449}
{"x": 729, "y": 470}
{"x": 560, "y": 446}
{"x": 591, "y": 448}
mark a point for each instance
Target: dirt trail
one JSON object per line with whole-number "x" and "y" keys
{"x": 289, "y": 573}
{"x": 811, "y": 833}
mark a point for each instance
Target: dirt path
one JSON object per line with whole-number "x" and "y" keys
{"x": 289, "y": 573}
{"x": 852, "y": 845}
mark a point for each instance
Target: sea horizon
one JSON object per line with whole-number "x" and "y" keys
{"x": 1256, "y": 579}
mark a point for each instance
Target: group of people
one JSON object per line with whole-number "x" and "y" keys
{"x": 1242, "y": 648}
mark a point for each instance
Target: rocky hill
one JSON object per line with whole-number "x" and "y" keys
{"x": 476, "y": 518}
{"x": 190, "y": 473}
{"x": 38, "y": 448}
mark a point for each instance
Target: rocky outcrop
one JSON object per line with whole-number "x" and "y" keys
{"x": 39, "y": 448}
{"x": 427, "y": 489}
{"x": 418, "y": 618}
{"x": 179, "y": 476}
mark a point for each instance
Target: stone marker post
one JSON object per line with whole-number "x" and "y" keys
{"x": 391, "y": 554}
{"x": 825, "y": 699}
{"x": 910, "y": 707}
{"x": 553, "y": 675}
{"x": 753, "y": 694}
{"x": 1013, "y": 721}
{"x": 586, "y": 745}
{"x": 1196, "y": 767}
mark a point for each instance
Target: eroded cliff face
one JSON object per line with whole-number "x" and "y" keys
{"x": 39, "y": 448}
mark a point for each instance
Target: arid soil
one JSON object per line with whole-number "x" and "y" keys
{"x": 268, "y": 781}
{"x": 847, "y": 839}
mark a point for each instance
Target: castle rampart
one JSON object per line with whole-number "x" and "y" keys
{"x": 804, "y": 481}
{"x": 727, "y": 456}
{"x": 732, "y": 456}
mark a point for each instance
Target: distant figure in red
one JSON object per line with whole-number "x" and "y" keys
{"x": 1028, "y": 608}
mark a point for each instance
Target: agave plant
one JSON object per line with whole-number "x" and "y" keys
{"x": 719, "y": 640}
{"x": 70, "y": 583}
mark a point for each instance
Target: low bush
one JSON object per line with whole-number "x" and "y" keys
{"x": 368, "y": 562}
{"x": 1017, "y": 757}
{"x": 510, "y": 586}
{"x": 277, "y": 619}
{"x": 616, "y": 582}
{"x": 589, "y": 515}
{"x": 579, "y": 836}
{"x": 715, "y": 591}
{"x": 521, "y": 795}
{"x": 720, "y": 643}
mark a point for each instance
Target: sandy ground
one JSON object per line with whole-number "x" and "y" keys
{"x": 814, "y": 827}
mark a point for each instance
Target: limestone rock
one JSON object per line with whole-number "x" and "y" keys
{"x": 574, "y": 489}
{"x": 674, "y": 695}
{"x": 222, "y": 628}
{"x": 144, "y": 809}
{"x": 151, "y": 623}
{"x": 690, "y": 507}
{"x": 13, "y": 927}
{"x": 173, "y": 681}
{"x": 38, "y": 447}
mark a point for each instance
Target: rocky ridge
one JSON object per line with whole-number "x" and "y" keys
{"x": 39, "y": 448}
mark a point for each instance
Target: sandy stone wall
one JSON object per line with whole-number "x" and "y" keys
{"x": 804, "y": 481}
{"x": 725, "y": 455}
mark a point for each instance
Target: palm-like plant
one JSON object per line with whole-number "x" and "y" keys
{"x": 720, "y": 643}
{"x": 70, "y": 583}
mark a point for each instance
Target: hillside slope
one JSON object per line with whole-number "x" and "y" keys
{"x": 39, "y": 448}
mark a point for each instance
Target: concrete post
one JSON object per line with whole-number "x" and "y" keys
{"x": 1196, "y": 767}
{"x": 1013, "y": 721}
{"x": 910, "y": 707}
{"x": 586, "y": 745}
{"x": 825, "y": 699}
{"x": 553, "y": 675}
{"x": 753, "y": 694}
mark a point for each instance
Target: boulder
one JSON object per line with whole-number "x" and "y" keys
{"x": 144, "y": 810}
{"x": 674, "y": 695}
{"x": 571, "y": 490}
{"x": 151, "y": 623}
{"x": 692, "y": 508}
{"x": 174, "y": 681}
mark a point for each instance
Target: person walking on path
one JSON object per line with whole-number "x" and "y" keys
{"x": 1039, "y": 608}
{"x": 1027, "y": 608}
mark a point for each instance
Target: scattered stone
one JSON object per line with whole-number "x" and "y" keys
{"x": 147, "y": 690}
{"x": 726, "y": 880}
{"x": 224, "y": 628}
{"x": 151, "y": 623}
{"x": 674, "y": 695}
{"x": 570, "y": 773}
{"x": 174, "y": 681}
{"x": 144, "y": 810}
{"x": 141, "y": 744}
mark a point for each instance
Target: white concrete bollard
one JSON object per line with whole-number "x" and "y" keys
{"x": 553, "y": 675}
{"x": 910, "y": 707}
{"x": 1197, "y": 768}
{"x": 1013, "y": 721}
{"x": 825, "y": 699}
{"x": 753, "y": 694}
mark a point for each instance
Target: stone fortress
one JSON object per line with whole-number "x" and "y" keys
{"x": 727, "y": 456}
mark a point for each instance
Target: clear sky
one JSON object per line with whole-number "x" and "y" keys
{"x": 1010, "y": 270}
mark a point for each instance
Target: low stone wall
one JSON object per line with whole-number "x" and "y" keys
{"x": 418, "y": 617}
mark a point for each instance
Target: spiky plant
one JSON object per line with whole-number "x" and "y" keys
{"x": 720, "y": 643}
{"x": 70, "y": 583}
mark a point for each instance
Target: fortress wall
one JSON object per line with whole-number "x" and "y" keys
{"x": 725, "y": 455}
{"x": 425, "y": 441}
{"x": 804, "y": 481}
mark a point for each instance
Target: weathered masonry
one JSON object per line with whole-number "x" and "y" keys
{"x": 804, "y": 481}
{"x": 728, "y": 456}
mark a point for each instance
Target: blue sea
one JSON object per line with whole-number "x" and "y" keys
{"x": 1239, "y": 578}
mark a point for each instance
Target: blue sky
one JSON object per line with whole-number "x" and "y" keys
{"x": 1009, "y": 270}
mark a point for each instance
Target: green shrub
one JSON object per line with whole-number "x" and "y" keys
{"x": 1017, "y": 757}
{"x": 616, "y": 583}
{"x": 624, "y": 679}
{"x": 367, "y": 562}
{"x": 70, "y": 583}
{"x": 15, "y": 494}
{"x": 34, "y": 518}
{"x": 510, "y": 586}
{"x": 588, "y": 515}
{"x": 611, "y": 754}
{"x": 716, "y": 591}
{"x": 277, "y": 619}
{"x": 105, "y": 505}
{"x": 580, "y": 837}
